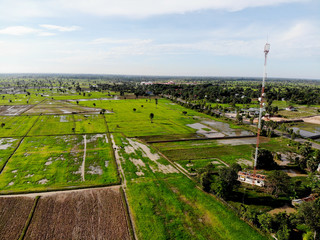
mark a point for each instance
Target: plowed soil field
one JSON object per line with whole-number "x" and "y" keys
{"x": 89, "y": 214}
{"x": 13, "y": 215}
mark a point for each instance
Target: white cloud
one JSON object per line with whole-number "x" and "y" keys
{"x": 22, "y": 30}
{"x": 60, "y": 28}
{"x": 146, "y": 8}
{"x": 120, "y": 41}
{"x": 138, "y": 8}
{"x": 18, "y": 30}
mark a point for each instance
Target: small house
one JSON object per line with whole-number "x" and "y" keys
{"x": 251, "y": 178}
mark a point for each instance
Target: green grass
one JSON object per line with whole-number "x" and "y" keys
{"x": 186, "y": 144}
{"x": 208, "y": 149}
{"x": 169, "y": 206}
{"x": 307, "y": 126}
{"x": 43, "y": 163}
{"x": 16, "y": 126}
{"x": 99, "y": 158}
{"x": 7, "y": 146}
{"x": 168, "y": 117}
{"x": 199, "y": 163}
{"x": 63, "y": 124}
{"x": 20, "y": 99}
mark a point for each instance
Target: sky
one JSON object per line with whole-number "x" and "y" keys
{"x": 161, "y": 37}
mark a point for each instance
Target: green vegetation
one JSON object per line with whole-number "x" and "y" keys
{"x": 71, "y": 131}
{"x": 16, "y": 126}
{"x": 54, "y": 162}
{"x": 159, "y": 196}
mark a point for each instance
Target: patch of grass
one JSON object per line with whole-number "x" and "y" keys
{"x": 173, "y": 204}
{"x": 64, "y": 124}
{"x": 16, "y": 126}
{"x": 181, "y": 211}
{"x": 199, "y": 163}
{"x": 54, "y": 162}
{"x": 7, "y": 146}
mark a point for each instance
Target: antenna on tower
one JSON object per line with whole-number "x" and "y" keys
{"x": 266, "y": 51}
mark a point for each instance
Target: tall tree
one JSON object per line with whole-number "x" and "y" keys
{"x": 309, "y": 214}
{"x": 278, "y": 182}
{"x": 151, "y": 117}
{"x": 264, "y": 159}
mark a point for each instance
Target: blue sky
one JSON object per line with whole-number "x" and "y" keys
{"x": 167, "y": 37}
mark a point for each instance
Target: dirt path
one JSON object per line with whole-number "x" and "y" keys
{"x": 84, "y": 157}
{"x": 124, "y": 183}
{"x": 33, "y": 195}
{"x": 116, "y": 154}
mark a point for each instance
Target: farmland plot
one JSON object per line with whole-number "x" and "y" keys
{"x": 100, "y": 167}
{"x": 139, "y": 160}
{"x": 16, "y": 126}
{"x": 51, "y": 107}
{"x": 14, "y": 212}
{"x": 56, "y": 162}
{"x": 13, "y": 110}
{"x": 167, "y": 205}
{"x": 68, "y": 124}
{"x": 89, "y": 214}
{"x": 7, "y": 146}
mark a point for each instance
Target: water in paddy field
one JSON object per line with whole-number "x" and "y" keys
{"x": 306, "y": 134}
{"x": 225, "y": 128}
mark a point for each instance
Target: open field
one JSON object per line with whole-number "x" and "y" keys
{"x": 63, "y": 151}
{"x": 51, "y": 107}
{"x": 7, "y": 146}
{"x": 228, "y": 150}
{"x": 13, "y": 215}
{"x": 43, "y": 163}
{"x": 168, "y": 119}
{"x": 16, "y": 126}
{"x": 89, "y": 214}
{"x": 14, "y": 110}
{"x": 192, "y": 165}
{"x": 20, "y": 99}
{"x": 64, "y": 124}
{"x": 167, "y": 205}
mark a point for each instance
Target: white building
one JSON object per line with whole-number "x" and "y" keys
{"x": 250, "y": 178}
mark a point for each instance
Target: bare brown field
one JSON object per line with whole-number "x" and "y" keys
{"x": 89, "y": 214}
{"x": 14, "y": 212}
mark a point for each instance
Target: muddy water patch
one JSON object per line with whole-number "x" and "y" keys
{"x": 63, "y": 118}
{"x": 137, "y": 162}
{"x": 204, "y": 130}
{"x": 43, "y": 181}
{"x": 5, "y": 143}
{"x": 95, "y": 170}
{"x": 95, "y": 137}
{"x": 154, "y": 157}
{"x": 242, "y": 141}
{"x": 226, "y": 129}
